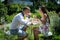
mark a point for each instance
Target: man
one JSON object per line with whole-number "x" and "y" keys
{"x": 20, "y": 22}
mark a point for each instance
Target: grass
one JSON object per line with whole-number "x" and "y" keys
{"x": 1, "y": 34}
{"x": 30, "y": 36}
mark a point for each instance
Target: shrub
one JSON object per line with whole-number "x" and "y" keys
{"x": 3, "y": 11}
{"x": 52, "y": 6}
{"x": 9, "y": 18}
{"x": 1, "y": 34}
{"x": 54, "y": 21}
{"x": 14, "y": 8}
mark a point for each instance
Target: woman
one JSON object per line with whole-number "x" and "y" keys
{"x": 45, "y": 23}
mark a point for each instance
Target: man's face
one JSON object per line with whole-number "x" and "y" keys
{"x": 27, "y": 12}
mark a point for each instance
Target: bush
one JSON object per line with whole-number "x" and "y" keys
{"x": 1, "y": 34}
{"x": 9, "y": 18}
{"x": 14, "y": 8}
{"x": 38, "y": 14}
{"x": 54, "y": 22}
{"x": 52, "y": 6}
{"x": 3, "y": 11}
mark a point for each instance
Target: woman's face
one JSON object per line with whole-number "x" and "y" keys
{"x": 39, "y": 9}
{"x": 43, "y": 14}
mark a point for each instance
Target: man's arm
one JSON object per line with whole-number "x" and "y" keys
{"x": 23, "y": 21}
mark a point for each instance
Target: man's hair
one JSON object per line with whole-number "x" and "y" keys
{"x": 26, "y": 8}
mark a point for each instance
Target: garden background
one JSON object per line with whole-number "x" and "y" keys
{"x": 8, "y": 11}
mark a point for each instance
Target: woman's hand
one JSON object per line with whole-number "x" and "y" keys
{"x": 45, "y": 16}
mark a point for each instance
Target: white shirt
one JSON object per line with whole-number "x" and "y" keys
{"x": 18, "y": 21}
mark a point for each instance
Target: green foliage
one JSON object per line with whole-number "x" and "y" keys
{"x": 9, "y": 18}
{"x": 59, "y": 14}
{"x": 54, "y": 19}
{"x": 32, "y": 15}
{"x": 54, "y": 22}
{"x": 3, "y": 10}
{"x": 56, "y": 37}
{"x": 52, "y": 6}
{"x": 38, "y": 14}
{"x": 30, "y": 35}
{"x": 10, "y": 37}
{"x": 1, "y": 34}
{"x": 49, "y": 5}
{"x": 14, "y": 8}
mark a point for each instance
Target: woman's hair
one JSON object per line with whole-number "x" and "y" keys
{"x": 43, "y": 9}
